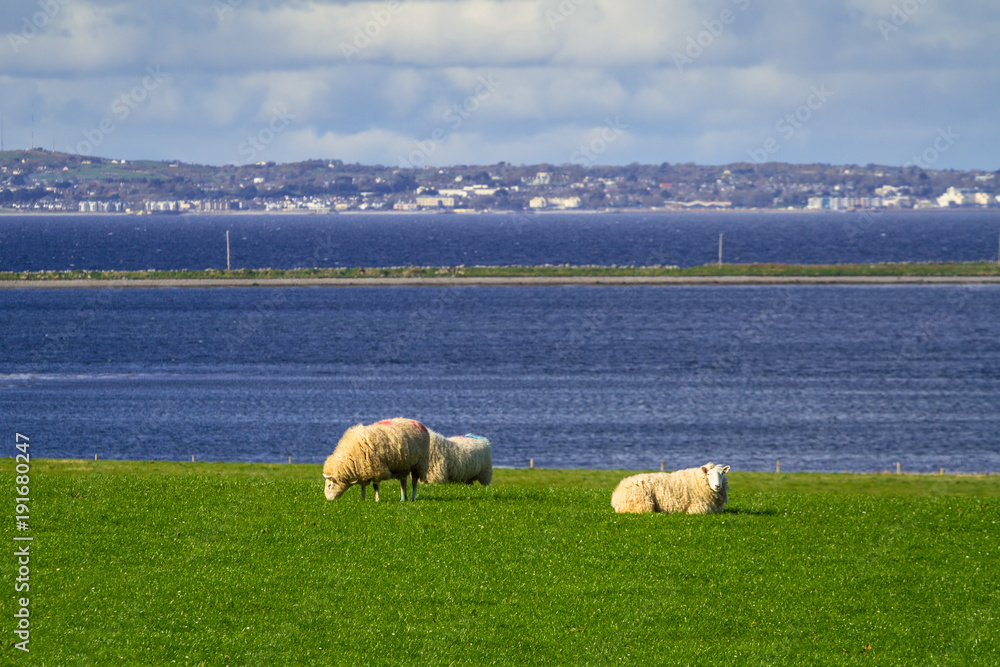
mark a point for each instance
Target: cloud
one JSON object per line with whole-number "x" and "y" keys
{"x": 694, "y": 80}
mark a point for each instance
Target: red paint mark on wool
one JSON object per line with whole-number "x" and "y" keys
{"x": 389, "y": 422}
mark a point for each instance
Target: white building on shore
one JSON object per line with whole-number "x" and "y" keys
{"x": 428, "y": 201}
{"x": 843, "y": 203}
{"x": 964, "y": 197}
{"x": 91, "y": 206}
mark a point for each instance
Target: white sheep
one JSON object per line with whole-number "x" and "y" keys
{"x": 702, "y": 490}
{"x": 460, "y": 459}
{"x": 389, "y": 449}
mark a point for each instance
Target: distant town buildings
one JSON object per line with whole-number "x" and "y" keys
{"x": 436, "y": 201}
{"x": 889, "y": 196}
{"x": 39, "y": 180}
{"x": 965, "y": 197}
{"x": 102, "y": 207}
{"x": 843, "y": 203}
{"x": 555, "y": 203}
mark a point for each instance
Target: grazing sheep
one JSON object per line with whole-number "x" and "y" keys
{"x": 703, "y": 490}
{"x": 460, "y": 459}
{"x": 389, "y": 449}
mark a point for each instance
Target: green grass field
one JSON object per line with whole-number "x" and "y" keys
{"x": 959, "y": 269}
{"x": 247, "y": 564}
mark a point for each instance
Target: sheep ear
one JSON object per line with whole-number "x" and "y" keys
{"x": 725, "y": 470}
{"x": 325, "y": 476}
{"x": 704, "y": 470}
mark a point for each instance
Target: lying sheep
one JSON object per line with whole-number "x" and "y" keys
{"x": 390, "y": 449}
{"x": 460, "y": 459}
{"x": 703, "y": 490}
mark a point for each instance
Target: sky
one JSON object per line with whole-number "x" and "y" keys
{"x": 414, "y": 83}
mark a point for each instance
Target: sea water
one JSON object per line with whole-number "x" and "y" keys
{"x": 166, "y": 242}
{"x": 824, "y": 378}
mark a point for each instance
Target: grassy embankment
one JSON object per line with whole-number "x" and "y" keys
{"x": 243, "y": 564}
{"x": 901, "y": 269}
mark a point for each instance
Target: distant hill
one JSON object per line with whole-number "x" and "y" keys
{"x": 44, "y": 180}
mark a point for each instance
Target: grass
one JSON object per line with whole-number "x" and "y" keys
{"x": 248, "y": 564}
{"x": 963, "y": 269}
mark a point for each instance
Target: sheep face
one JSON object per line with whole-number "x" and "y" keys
{"x": 334, "y": 489}
{"x": 715, "y": 476}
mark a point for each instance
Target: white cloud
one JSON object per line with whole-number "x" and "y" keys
{"x": 79, "y": 37}
{"x": 559, "y": 69}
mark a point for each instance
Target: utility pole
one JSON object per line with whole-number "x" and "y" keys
{"x": 720, "y": 249}
{"x": 227, "y": 250}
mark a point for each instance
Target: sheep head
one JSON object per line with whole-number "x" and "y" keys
{"x": 334, "y": 488}
{"x": 715, "y": 475}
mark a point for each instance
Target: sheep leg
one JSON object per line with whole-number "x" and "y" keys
{"x": 413, "y": 476}
{"x": 363, "y": 491}
{"x": 375, "y": 486}
{"x": 402, "y": 487}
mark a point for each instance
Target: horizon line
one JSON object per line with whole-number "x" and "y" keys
{"x": 747, "y": 163}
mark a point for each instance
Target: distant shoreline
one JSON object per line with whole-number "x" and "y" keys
{"x": 983, "y": 272}
{"x": 468, "y": 212}
{"x": 485, "y": 281}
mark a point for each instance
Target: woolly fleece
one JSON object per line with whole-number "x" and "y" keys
{"x": 389, "y": 449}
{"x": 460, "y": 459}
{"x": 685, "y": 491}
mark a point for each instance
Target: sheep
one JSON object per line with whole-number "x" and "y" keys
{"x": 703, "y": 490}
{"x": 460, "y": 459}
{"x": 393, "y": 448}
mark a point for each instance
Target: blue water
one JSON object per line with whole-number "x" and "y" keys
{"x": 823, "y": 378}
{"x": 683, "y": 239}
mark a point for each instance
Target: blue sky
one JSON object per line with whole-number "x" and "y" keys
{"x": 440, "y": 82}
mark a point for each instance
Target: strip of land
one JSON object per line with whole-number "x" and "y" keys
{"x": 494, "y": 281}
{"x": 725, "y": 274}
